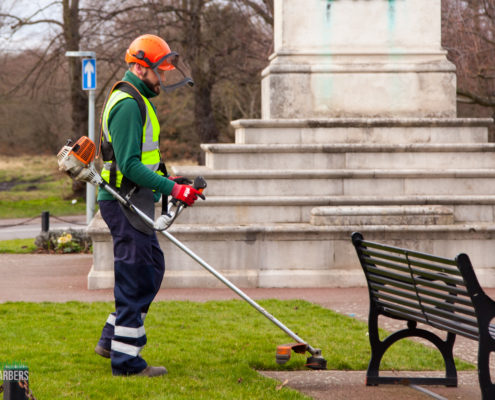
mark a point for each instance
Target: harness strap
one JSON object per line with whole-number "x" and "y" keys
{"x": 130, "y": 89}
{"x": 106, "y": 147}
{"x": 163, "y": 169}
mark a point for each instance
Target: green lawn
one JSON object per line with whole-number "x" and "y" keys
{"x": 17, "y": 246}
{"x": 212, "y": 350}
{"x": 34, "y": 184}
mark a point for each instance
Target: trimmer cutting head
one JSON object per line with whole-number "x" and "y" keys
{"x": 315, "y": 361}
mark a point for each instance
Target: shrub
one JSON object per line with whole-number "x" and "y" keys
{"x": 71, "y": 241}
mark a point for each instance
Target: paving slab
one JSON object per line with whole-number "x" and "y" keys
{"x": 343, "y": 385}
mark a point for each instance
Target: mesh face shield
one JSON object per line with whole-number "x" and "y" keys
{"x": 177, "y": 74}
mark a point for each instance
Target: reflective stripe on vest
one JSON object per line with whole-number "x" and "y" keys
{"x": 150, "y": 155}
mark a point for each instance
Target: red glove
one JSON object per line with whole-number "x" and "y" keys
{"x": 185, "y": 193}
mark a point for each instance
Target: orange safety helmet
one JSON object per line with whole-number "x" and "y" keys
{"x": 150, "y": 51}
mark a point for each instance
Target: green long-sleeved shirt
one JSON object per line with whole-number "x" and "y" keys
{"x": 126, "y": 130}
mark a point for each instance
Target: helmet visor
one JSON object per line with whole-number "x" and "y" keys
{"x": 177, "y": 75}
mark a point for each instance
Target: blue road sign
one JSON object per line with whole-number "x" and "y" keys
{"x": 89, "y": 73}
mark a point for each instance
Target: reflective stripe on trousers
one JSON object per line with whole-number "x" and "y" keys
{"x": 139, "y": 267}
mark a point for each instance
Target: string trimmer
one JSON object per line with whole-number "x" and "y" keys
{"x": 77, "y": 161}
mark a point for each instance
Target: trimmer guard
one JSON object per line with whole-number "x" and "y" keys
{"x": 284, "y": 351}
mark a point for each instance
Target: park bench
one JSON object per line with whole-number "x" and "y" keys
{"x": 439, "y": 292}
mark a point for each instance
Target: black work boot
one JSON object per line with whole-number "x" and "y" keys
{"x": 153, "y": 371}
{"x": 101, "y": 351}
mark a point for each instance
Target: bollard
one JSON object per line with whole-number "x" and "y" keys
{"x": 45, "y": 221}
{"x": 13, "y": 377}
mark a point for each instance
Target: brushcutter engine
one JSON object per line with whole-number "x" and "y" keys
{"x": 76, "y": 160}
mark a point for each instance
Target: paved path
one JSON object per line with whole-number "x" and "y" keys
{"x": 61, "y": 278}
{"x": 26, "y": 228}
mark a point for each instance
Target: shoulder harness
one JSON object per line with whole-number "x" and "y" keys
{"x": 106, "y": 147}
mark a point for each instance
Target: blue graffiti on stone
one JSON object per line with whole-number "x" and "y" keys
{"x": 329, "y": 4}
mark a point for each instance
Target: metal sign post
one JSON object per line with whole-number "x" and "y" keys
{"x": 89, "y": 84}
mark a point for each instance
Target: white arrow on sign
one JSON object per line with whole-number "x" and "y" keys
{"x": 88, "y": 71}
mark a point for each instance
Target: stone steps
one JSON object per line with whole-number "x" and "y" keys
{"x": 361, "y": 130}
{"x": 225, "y": 210}
{"x": 488, "y": 200}
{"x": 281, "y": 214}
{"x": 399, "y": 182}
{"x": 379, "y": 215}
{"x": 349, "y": 156}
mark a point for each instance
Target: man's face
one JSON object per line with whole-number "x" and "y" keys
{"x": 151, "y": 80}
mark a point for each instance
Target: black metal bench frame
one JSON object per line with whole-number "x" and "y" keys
{"x": 439, "y": 292}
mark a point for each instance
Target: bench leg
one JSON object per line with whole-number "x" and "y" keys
{"x": 486, "y": 385}
{"x": 378, "y": 349}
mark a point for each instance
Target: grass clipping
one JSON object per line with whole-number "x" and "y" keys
{"x": 212, "y": 350}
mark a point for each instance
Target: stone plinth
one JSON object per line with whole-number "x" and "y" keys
{"x": 297, "y": 255}
{"x": 358, "y": 58}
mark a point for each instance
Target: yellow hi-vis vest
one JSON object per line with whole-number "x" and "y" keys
{"x": 150, "y": 154}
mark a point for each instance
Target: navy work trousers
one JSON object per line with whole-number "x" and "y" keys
{"x": 139, "y": 267}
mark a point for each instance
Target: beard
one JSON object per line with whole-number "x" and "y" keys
{"x": 154, "y": 87}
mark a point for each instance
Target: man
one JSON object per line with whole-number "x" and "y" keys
{"x": 131, "y": 153}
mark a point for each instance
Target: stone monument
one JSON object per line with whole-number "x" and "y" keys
{"x": 358, "y": 58}
{"x": 358, "y": 133}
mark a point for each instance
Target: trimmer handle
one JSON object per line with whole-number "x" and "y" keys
{"x": 175, "y": 207}
{"x": 200, "y": 185}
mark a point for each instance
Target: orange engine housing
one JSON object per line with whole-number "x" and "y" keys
{"x": 84, "y": 150}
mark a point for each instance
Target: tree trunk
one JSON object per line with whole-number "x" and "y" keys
{"x": 206, "y": 126}
{"x": 203, "y": 76}
{"x": 78, "y": 98}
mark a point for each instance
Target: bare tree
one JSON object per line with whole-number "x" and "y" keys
{"x": 226, "y": 45}
{"x": 262, "y": 8}
{"x": 73, "y": 24}
{"x": 50, "y": 58}
{"x": 469, "y": 36}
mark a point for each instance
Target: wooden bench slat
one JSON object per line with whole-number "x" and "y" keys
{"x": 461, "y": 291}
{"x": 426, "y": 310}
{"x": 491, "y": 330}
{"x": 459, "y": 329}
{"x": 426, "y": 299}
{"x": 406, "y": 269}
{"x": 447, "y": 297}
{"x": 412, "y": 261}
{"x": 398, "y": 250}
{"x": 450, "y": 307}
{"x": 393, "y": 310}
{"x": 403, "y": 312}
{"x": 406, "y": 278}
